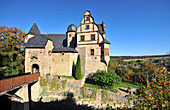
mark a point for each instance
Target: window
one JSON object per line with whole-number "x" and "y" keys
{"x": 92, "y": 37}
{"x": 106, "y": 51}
{"x": 49, "y": 53}
{"x": 87, "y": 26}
{"x": 87, "y": 19}
{"x": 92, "y": 52}
{"x": 82, "y": 38}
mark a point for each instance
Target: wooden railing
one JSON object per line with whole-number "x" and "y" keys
{"x": 10, "y": 83}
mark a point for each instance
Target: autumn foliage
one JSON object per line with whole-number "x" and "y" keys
{"x": 156, "y": 94}
{"x": 11, "y": 51}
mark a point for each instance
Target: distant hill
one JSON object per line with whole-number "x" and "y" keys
{"x": 139, "y": 57}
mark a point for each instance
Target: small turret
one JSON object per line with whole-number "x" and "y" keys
{"x": 71, "y": 36}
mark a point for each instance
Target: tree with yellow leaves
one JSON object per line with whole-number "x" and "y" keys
{"x": 129, "y": 73}
{"x": 156, "y": 96}
{"x": 11, "y": 51}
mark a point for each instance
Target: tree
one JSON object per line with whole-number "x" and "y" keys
{"x": 78, "y": 74}
{"x": 129, "y": 73}
{"x": 156, "y": 96}
{"x": 11, "y": 50}
{"x": 146, "y": 72}
{"x": 121, "y": 70}
{"x": 113, "y": 63}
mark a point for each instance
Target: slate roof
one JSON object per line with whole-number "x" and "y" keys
{"x": 71, "y": 28}
{"x": 105, "y": 41}
{"x": 64, "y": 49}
{"x": 101, "y": 30}
{"x": 37, "y": 41}
{"x": 34, "y": 30}
{"x": 59, "y": 40}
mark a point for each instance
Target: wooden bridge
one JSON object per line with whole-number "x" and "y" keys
{"x": 9, "y": 84}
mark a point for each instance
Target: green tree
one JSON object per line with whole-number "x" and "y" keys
{"x": 11, "y": 50}
{"x": 121, "y": 71}
{"x": 113, "y": 63}
{"x": 78, "y": 74}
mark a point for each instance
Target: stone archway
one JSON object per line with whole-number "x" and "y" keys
{"x": 35, "y": 68}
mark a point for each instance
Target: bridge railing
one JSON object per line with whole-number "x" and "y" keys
{"x": 10, "y": 83}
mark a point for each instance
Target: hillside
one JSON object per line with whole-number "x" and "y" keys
{"x": 141, "y": 57}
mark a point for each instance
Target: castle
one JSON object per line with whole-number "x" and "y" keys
{"x": 56, "y": 54}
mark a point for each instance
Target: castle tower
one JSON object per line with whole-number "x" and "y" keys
{"x": 71, "y": 36}
{"x": 89, "y": 38}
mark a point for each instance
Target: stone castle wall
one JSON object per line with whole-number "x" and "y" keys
{"x": 48, "y": 62}
{"x": 63, "y": 63}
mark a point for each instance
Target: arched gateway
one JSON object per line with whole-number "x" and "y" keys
{"x": 35, "y": 68}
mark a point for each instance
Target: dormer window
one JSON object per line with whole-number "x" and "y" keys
{"x": 92, "y": 37}
{"x": 87, "y": 26}
{"x": 87, "y": 19}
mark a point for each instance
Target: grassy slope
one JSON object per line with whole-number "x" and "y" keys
{"x": 122, "y": 84}
{"x": 126, "y": 85}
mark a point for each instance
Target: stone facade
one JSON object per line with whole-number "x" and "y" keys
{"x": 57, "y": 53}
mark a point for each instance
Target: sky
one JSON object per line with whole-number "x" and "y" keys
{"x": 134, "y": 27}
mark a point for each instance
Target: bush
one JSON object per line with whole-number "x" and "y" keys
{"x": 106, "y": 80}
{"x": 78, "y": 74}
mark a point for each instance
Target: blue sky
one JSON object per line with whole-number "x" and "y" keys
{"x": 134, "y": 27}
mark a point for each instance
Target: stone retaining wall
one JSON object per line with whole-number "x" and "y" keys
{"x": 73, "y": 86}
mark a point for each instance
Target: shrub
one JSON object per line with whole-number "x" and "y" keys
{"x": 106, "y": 80}
{"x": 78, "y": 74}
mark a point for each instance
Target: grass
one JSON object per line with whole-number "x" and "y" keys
{"x": 126, "y": 85}
{"x": 96, "y": 86}
{"x": 122, "y": 84}
{"x": 91, "y": 85}
{"x": 65, "y": 76}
